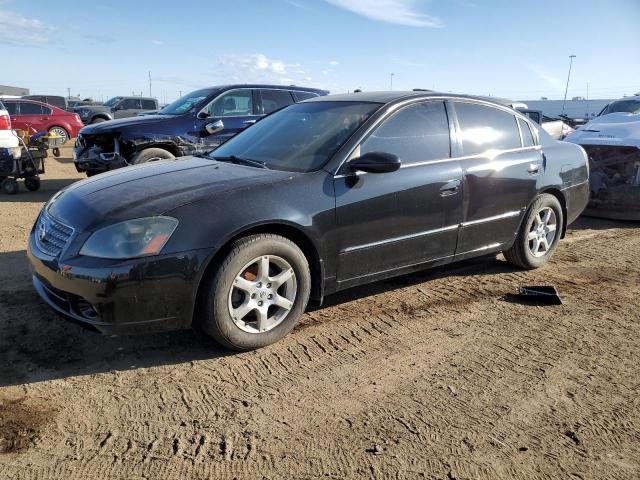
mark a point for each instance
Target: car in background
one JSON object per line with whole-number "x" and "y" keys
{"x": 318, "y": 197}
{"x": 33, "y": 117}
{"x": 195, "y": 123}
{"x": 55, "y": 100}
{"x": 116, "y": 107}
{"x": 9, "y": 142}
{"x": 612, "y": 141}
{"x": 557, "y": 127}
{"x": 73, "y": 103}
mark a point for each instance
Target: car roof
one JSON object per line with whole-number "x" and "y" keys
{"x": 384, "y": 97}
{"x": 261, "y": 85}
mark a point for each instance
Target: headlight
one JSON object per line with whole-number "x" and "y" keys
{"x": 134, "y": 238}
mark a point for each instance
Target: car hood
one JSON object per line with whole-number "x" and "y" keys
{"x": 152, "y": 189}
{"x": 115, "y": 125}
{"x": 614, "y": 129}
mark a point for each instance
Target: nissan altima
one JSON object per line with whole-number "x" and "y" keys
{"x": 320, "y": 196}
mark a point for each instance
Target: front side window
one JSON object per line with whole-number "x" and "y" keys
{"x": 416, "y": 133}
{"x": 130, "y": 104}
{"x": 300, "y": 138}
{"x": 30, "y": 109}
{"x": 235, "y": 103}
{"x": 485, "y": 128}
{"x": 112, "y": 101}
{"x": 273, "y": 100}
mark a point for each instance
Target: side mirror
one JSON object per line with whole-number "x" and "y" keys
{"x": 203, "y": 114}
{"x": 214, "y": 127}
{"x": 375, "y": 162}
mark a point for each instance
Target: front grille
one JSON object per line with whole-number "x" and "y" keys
{"x": 51, "y": 235}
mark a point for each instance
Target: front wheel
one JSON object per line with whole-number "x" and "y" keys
{"x": 257, "y": 294}
{"x": 539, "y": 234}
{"x": 151, "y": 155}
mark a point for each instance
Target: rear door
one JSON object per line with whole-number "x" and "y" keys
{"x": 234, "y": 109}
{"x": 407, "y": 217}
{"x": 30, "y": 117}
{"x": 500, "y": 175}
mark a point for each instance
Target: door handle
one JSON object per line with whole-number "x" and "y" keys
{"x": 450, "y": 188}
{"x": 533, "y": 169}
{"x": 249, "y": 122}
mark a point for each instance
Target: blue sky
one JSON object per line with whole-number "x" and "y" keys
{"x": 509, "y": 48}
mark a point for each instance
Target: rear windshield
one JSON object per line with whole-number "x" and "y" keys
{"x": 187, "y": 102}
{"x": 299, "y": 138}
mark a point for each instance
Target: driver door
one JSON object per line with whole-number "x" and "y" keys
{"x": 232, "y": 111}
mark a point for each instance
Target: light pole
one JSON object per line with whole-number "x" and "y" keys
{"x": 391, "y": 82}
{"x": 566, "y": 89}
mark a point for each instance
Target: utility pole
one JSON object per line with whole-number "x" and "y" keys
{"x": 566, "y": 89}
{"x": 391, "y": 82}
{"x": 68, "y": 92}
{"x": 150, "y": 83}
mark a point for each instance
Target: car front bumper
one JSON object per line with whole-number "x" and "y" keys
{"x": 120, "y": 297}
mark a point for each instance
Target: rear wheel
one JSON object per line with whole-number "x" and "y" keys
{"x": 60, "y": 132}
{"x": 257, "y": 294}
{"x": 539, "y": 234}
{"x": 151, "y": 155}
{"x": 32, "y": 183}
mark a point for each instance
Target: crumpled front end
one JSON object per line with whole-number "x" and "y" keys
{"x": 612, "y": 143}
{"x": 98, "y": 153}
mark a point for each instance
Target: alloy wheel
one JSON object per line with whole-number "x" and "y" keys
{"x": 262, "y": 294}
{"x": 61, "y": 132}
{"x": 542, "y": 232}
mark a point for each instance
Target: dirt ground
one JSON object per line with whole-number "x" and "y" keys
{"x": 433, "y": 375}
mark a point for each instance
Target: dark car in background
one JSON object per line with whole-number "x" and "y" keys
{"x": 320, "y": 196}
{"x": 195, "y": 123}
{"x": 33, "y": 116}
{"x": 114, "y": 108}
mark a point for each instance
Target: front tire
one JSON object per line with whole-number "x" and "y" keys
{"x": 539, "y": 234}
{"x": 151, "y": 155}
{"x": 257, "y": 294}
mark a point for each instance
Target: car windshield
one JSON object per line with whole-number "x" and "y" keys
{"x": 112, "y": 101}
{"x": 186, "y": 102}
{"x": 623, "y": 106}
{"x": 299, "y": 138}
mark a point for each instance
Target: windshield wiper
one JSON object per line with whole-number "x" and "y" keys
{"x": 242, "y": 160}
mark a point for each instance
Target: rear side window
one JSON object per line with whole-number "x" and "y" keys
{"x": 300, "y": 96}
{"x": 527, "y": 136}
{"x": 12, "y": 108}
{"x": 415, "y": 134}
{"x": 148, "y": 105}
{"x": 273, "y": 100}
{"x": 30, "y": 108}
{"x": 486, "y": 128}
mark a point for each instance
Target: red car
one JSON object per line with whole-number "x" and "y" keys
{"x": 35, "y": 117}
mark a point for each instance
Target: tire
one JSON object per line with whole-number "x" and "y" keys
{"x": 223, "y": 292}
{"x": 55, "y": 151}
{"x": 32, "y": 183}
{"x": 60, "y": 132}
{"x": 97, "y": 120}
{"x": 151, "y": 155}
{"x": 535, "y": 244}
{"x": 10, "y": 186}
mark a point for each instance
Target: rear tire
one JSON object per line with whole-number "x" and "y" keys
{"x": 244, "y": 308}
{"x": 32, "y": 183}
{"x": 61, "y": 132}
{"x": 539, "y": 234}
{"x": 151, "y": 155}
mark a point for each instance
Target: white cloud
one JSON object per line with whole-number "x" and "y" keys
{"x": 18, "y": 30}
{"x": 542, "y": 74}
{"x": 401, "y": 12}
{"x": 257, "y": 67}
{"x": 334, "y": 63}
{"x": 157, "y": 42}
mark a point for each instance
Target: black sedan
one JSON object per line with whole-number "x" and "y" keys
{"x": 318, "y": 197}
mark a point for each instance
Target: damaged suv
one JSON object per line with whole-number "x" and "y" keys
{"x": 195, "y": 123}
{"x": 612, "y": 141}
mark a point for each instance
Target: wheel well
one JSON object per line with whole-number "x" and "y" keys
{"x": 563, "y": 203}
{"x": 99, "y": 115}
{"x": 286, "y": 231}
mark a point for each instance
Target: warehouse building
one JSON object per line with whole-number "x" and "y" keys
{"x": 13, "y": 91}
